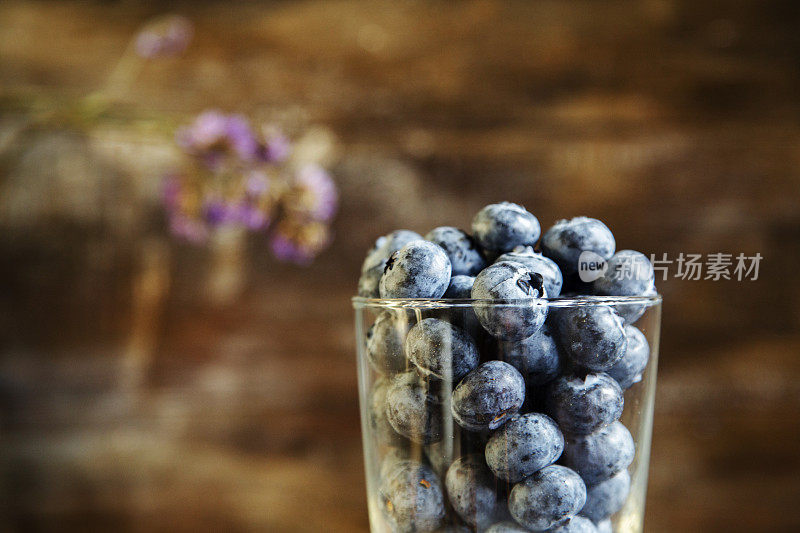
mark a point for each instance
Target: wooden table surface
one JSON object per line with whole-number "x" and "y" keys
{"x": 138, "y": 396}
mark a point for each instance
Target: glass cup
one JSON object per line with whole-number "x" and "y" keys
{"x": 438, "y": 458}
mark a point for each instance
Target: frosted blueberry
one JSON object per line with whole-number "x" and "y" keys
{"x": 378, "y": 423}
{"x": 462, "y": 250}
{"x": 567, "y": 239}
{"x": 605, "y": 527}
{"x": 592, "y": 337}
{"x": 488, "y": 396}
{"x": 506, "y": 527}
{"x": 584, "y": 404}
{"x": 472, "y": 490}
{"x": 629, "y": 273}
{"x": 460, "y": 287}
{"x": 510, "y": 281}
{"x": 375, "y": 262}
{"x": 536, "y": 262}
{"x": 504, "y": 226}
{"x": 411, "y": 497}
{"x": 385, "y": 342}
{"x": 420, "y": 269}
{"x": 628, "y": 370}
{"x": 368, "y": 283}
{"x": 548, "y": 498}
{"x": 599, "y": 455}
{"x": 535, "y": 357}
{"x": 607, "y": 497}
{"x": 441, "y": 350}
{"x": 413, "y": 409}
{"x": 523, "y": 445}
{"x": 576, "y": 524}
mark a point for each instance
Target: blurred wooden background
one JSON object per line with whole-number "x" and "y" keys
{"x": 135, "y": 399}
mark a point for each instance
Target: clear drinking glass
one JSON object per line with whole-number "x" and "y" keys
{"x": 388, "y": 378}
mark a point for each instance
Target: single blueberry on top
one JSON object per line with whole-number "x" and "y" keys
{"x": 568, "y": 239}
{"x": 411, "y": 497}
{"x": 583, "y": 404}
{"x": 488, "y": 396}
{"x": 548, "y": 498}
{"x": 510, "y": 281}
{"x": 599, "y": 455}
{"x": 607, "y": 497}
{"x": 536, "y": 262}
{"x": 504, "y": 226}
{"x": 375, "y": 263}
{"x": 441, "y": 350}
{"x": 629, "y": 273}
{"x": 536, "y": 357}
{"x": 472, "y": 491}
{"x": 460, "y": 288}
{"x": 576, "y": 524}
{"x": 592, "y": 337}
{"x": 385, "y": 342}
{"x": 413, "y": 409}
{"x": 523, "y": 445}
{"x": 465, "y": 256}
{"x": 628, "y": 370}
{"x": 420, "y": 269}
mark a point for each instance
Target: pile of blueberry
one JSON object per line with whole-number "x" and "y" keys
{"x": 524, "y": 394}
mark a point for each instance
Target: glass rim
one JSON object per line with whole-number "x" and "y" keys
{"x": 360, "y": 302}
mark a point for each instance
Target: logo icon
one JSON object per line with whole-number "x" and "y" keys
{"x": 591, "y": 266}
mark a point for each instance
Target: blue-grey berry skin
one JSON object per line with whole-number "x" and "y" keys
{"x": 368, "y": 283}
{"x": 523, "y": 445}
{"x": 464, "y": 253}
{"x": 506, "y": 527}
{"x": 548, "y": 498}
{"x": 386, "y": 342}
{"x": 628, "y": 370}
{"x": 413, "y": 410}
{"x": 488, "y": 396}
{"x": 441, "y": 350}
{"x": 633, "y": 311}
{"x": 629, "y": 273}
{"x": 460, "y": 287}
{"x": 605, "y": 526}
{"x": 375, "y": 262}
{"x": 582, "y": 404}
{"x": 411, "y": 498}
{"x": 607, "y": 497}
{"x": 567, "y": 239}
{"x": 536, "y": 262}
{"x": 536, "y": 357}
{"x": 504, "y": 226}
{"x": 576, "y": 524}
{"x": 420, "y": 269}
{"x": 510, "y": 281}
{"x": 599, "y": 455}
{"x": 394, "y": 455}
{"x": 472, "y": 491}
{"x": 379, "y": 425}
{"x": 592, "y": 337}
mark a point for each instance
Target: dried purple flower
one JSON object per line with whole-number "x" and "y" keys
{"x": 214, "y": 135}
{"x": 164, "y": 37}
{"x": 276, "y": 147}
{"x": 315, "y": 191}
{"x": 299, "y": 244}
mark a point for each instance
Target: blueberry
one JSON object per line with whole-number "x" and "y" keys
{"x": 535, "y": 357}
{"x": 420, "y": 269}
{"x": 525, "y": 444}
{"x": 510, "y": 281}
{"x": 628, "y": 370}
{"x": 472, "y": 490}
{"x": 576, "y": 524}
{"x": 460, "y": 287}
{"x": 599, "y": 455}
{"x": 633, "y": 311}
{"x": 413, "y": 409}
{"x": 394, "y": 455}
{"x": 629, "y": 273}
{"x": 592, "y": 337}
{"x": 548, "y": 498}
{"x": 465, "y": 256}
{"x": 378, "y": 424}
{"x": 441, "y": 350}
{"x": 605, "y": 527}
{"x": 567, "y": 239}
{"x": 607, "y": 497}
{"x": 488, "y": 396}
{"x": 375, "y": 262}
{"x": 506, "y": 527}
{"x": 504, "y": 226}
{"x": 385, "y": 342}
{"x": 584, "y": 404}
{"x": 536, "y": 262}
{"x": 411, "y": 497}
